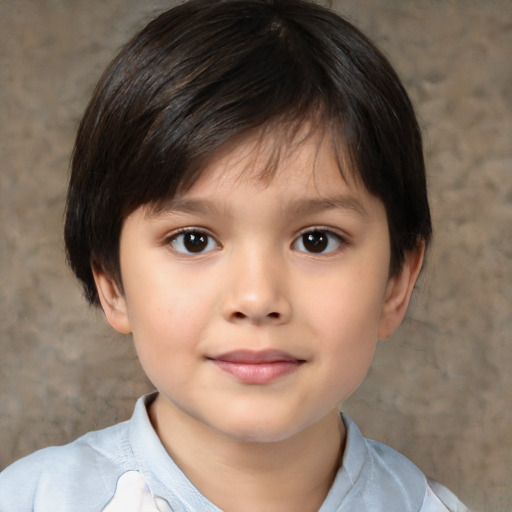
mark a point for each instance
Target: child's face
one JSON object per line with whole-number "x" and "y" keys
{"x": 255, "y": 305}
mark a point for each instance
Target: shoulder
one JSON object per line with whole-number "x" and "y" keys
{"x": 383, "y": 475}
{"x": 439, "y": 496}
{"x": 380, "y": 473}
{"x": 62, "y": 476}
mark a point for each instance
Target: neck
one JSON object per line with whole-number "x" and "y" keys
{"x": 283, "y": 476}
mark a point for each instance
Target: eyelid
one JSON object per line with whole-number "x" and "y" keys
{"x": 189, "y": 229}
{"x": 343, "y": 237}
{"x": 324, "y": 227}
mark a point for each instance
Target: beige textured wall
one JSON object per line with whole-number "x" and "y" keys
{"x": 440, "y": 391}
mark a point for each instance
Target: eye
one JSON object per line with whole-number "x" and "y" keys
{"x": 318, "y": 241}
{"x": 192, "y": 241}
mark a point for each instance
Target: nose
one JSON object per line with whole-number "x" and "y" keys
{"x": 257, "y": 290}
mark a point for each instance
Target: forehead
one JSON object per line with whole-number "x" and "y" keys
{"x": 276, "y": 158}
{"x": 303, "y": 174}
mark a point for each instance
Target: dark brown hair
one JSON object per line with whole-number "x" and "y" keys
{"x": 206, "y": 72}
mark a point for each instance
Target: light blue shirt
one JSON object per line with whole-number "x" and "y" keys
{"x": 125, "y": 468}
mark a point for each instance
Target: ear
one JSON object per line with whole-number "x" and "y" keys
{"x": 398, "y": 292}
{"x": 112, "y": 301}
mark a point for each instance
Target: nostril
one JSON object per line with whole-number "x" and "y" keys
{"x": 240, "y": 316}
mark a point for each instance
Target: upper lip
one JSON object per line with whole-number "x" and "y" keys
{"x": 255, "y": 357}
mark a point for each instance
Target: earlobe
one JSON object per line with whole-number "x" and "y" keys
{"x": 399, "y": 291}
{"x": 112, "y": 302}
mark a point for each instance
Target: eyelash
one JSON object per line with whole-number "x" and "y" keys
{"x": 323, "y": 244}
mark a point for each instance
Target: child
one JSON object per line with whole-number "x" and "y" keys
{"x": 248, "y": 199}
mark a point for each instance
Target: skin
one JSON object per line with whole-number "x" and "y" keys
{"x": 270, "y": 433}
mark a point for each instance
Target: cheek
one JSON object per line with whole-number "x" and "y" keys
{"x": 344, "y": 318}
{"x": 168, "y": 318}
{"x": 348, "y": 305}
{"x": 348, "y": 351}
{"x": 350, "y": 333}
{"x": 166, "y": 300}
{"x": 165, "y": 338}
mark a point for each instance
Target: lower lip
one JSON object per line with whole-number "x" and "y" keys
{"x": 258, "y": 373}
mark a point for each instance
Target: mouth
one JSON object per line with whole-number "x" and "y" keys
{"x": 257, "y": 367}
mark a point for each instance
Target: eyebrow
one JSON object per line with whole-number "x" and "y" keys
{"x": 185, "y": 205}
{"x": 316, "y": 205}
{"x": 295, "y": 207}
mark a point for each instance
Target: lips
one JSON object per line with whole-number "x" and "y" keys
{"x": 257, "y": 367}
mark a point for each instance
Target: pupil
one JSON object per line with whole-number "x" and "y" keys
{"x": 315, "y": 241}
{"x": 195, "y": 242}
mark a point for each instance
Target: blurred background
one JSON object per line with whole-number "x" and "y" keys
{"x": 440, "y": 391}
